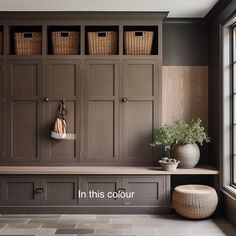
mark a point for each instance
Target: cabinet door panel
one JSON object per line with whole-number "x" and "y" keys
{"x": 59, "y": 191}
{"x": 24, "y": 111}
{"x": 20, "y": 191}
{"x": 98, "y": 184}
{"x": 148, "y": 191}
{"x": 3, "y": 113}
{"x": 24, "y": 127}
{"x": 63, "y": 83}
{"x": 101, "y": 111}
{"x": 139, "y": 113}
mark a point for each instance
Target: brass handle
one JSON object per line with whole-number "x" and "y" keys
{"x": 121, "y": 190}
{"x": 38, "y": 190}
{"x": 46, "y": 99}
{"x": 124, "y": 99}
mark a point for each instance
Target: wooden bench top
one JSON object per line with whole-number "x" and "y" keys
{"x": 102, "y": 170}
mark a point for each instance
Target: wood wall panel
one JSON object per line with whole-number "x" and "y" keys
{"x": 184, "y": 93}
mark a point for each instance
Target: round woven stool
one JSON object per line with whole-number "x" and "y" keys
{"x": 195, "y": 201}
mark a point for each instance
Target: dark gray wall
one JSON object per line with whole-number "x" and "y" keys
{"x": 185, "y": 42}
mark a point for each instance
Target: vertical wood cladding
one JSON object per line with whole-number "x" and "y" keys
{"x": 184, "y": 93}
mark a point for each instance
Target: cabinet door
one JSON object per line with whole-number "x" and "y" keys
{"x": 2, "y": 112}
{"x": 62, "y": 82}
{"x": 59, "y": 191}
{"x": 24, "y": 111}
{"x": 98, "y": 185}
{"x": 20, "y": 191}
{"x": 139, "y": 109}
{"x": 101, "y": 111}
{"x": 148, "y": 191}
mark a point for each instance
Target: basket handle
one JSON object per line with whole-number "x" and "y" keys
{"x": 64, "y": 34}
{"x": 28, "y": 35}
{"x": 102, "y": 34}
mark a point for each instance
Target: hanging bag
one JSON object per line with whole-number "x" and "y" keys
{"x": 59, "y": 131}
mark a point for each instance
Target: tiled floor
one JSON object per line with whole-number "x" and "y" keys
{"x": 132, "y": 225}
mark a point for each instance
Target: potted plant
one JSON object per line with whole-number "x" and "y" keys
{"x": 182, "y": 138}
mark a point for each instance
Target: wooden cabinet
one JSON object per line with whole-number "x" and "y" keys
{"x": 139, "y": 109}
{"x": 148, "y": 191}
{"x": 62, "y": 83}
{"x": 101, "y": 110}
{"x": 93, "y": 186}
{"x": 59, "y": 191}
{"x": 24, "y": 105}
{"x": 20, "y": 191}
{"x": 113, "y": 100}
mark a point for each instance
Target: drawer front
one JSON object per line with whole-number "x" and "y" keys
{"x": 148, "y": 191}
{"x": 96, "y": 187}
{"x": 59, "y": 191}
{"x": 20, "y": 191}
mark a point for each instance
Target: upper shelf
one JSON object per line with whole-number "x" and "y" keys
{"x": 71, "y": 40}
{"x": 102, "y": 170}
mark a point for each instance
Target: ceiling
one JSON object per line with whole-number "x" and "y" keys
{"x": 176, "y": 8}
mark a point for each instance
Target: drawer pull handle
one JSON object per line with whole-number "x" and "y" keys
{"x": 38, "y": 190}
{"x": 121, "y": 190}
{"x": 124, "y": 99}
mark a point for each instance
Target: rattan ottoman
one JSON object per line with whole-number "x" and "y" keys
{"x": 195, "y": 201}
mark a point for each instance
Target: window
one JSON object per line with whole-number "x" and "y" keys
{"x": 228, "y": 164}
{"x": 233, "y": 53}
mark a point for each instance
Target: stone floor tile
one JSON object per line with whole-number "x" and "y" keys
{"x": 75, "y": 231}
{"x": 23, "y": 226}
{"x": 58, "y": 225}
{"x": 109, "y": 231}
{"x": 78, "y": 221}
{"x": 14, "y": 220}
{"x": 38, "y": 231}
{"x": 76, "y": 216}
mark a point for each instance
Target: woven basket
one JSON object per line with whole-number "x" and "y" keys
{"x": 138, "y": 42}
{"x": 28, "y": 43}
{"x": 65, "y": 43}
{"x": 1, "y": 43}
{"x": 195, "y": 201}
{"x": 102, "y": 43}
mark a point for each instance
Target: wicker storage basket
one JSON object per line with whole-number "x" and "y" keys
{"x": 138, "y": 42}
{"x": 102, "y": 43}
{"x": 28, "y": 43}
{"x": 65, "y": 43}
{"x": 1, "y": 43}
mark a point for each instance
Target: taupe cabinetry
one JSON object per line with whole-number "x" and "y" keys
{"x": 101, "y": 110}
{"x": 24, "y": 78}
{"x": 59, "y": 191}
{"x": 148, "y": 191}
{"x": 139, "y": 109}
{"x": 21, "y": 191}
{"x": 62, "y": 83}
{"x": 99, "y": 184}
{"x": 121, "y": 104}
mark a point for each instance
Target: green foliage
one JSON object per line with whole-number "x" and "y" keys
{"x": 180, "y": 133}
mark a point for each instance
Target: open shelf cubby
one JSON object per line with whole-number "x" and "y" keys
{"x": 139, "y": 31}
{"x": 108, "y": 34}
{"x": 63, "y": 40}
{"x": 27, "y": 32}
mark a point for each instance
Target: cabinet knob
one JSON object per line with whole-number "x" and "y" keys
{"x": 46, "y": 99}
{"x": 124, "y": 99}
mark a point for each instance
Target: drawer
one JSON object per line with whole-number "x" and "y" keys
{"x": 59, "y": 191}
{"x": 99, "y": 185}
{"x": 20, "y": 191}
{"x": 148, "y": 191}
